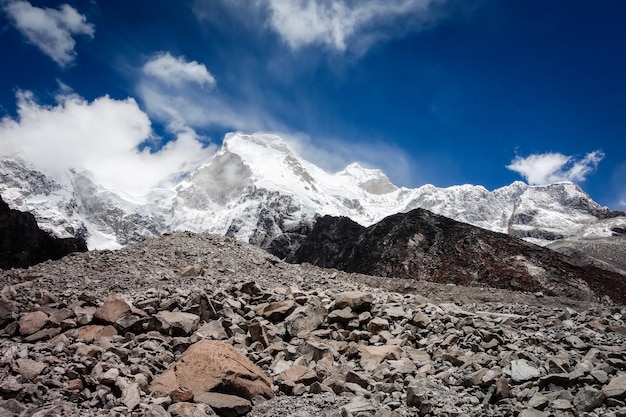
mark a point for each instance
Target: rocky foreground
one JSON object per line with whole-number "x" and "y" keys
{"x": 201, "y": 325}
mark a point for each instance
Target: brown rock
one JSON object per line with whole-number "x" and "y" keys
{"x": 175, "y": 323}
{"x": 29, "y": 368}
{"x": 616, "y": 388}
{"x": 278, "y": 310}
{"x": 114, "y": 308}
{"x": 93, "y": 332}
{"x": 214, "y": 366}
{"x": 225, "y": 404}
{"x": 181, "y": 394}
{"x": 372, "y": 356}
{"x": 305, "y": 319}
{"x": 356, "y": 300}
{"x": 299, "y": 374}
{"x": 84, "y": 315}
{"x": 32, "y": 322}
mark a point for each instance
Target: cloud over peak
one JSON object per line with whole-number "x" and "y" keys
{"x": 546, "y": 168}
{"x": 176, "y": 71}
{"x": 101, "y": 136}
{"x": 50, "y": 30}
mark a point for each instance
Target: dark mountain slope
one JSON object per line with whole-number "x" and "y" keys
{"x": 23, "y": 244}
{"x": 421, "y": 245}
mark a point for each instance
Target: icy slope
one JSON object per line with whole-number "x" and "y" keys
{"x": 256, "y": 188}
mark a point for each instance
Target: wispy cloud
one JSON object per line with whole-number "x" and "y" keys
{"x": 185, "y": 93}
{"x": 343, "y": 25}
{"x": 101, "y": 136}
{"x": 50, "y": 30}
{"x": 546, "y": 168}
{"x": 333, "y": 155}
{"x": 338, "y": 25}
{"x": 177, "y": 71}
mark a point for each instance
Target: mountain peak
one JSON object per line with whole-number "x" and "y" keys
{"x": 257, "y": 188}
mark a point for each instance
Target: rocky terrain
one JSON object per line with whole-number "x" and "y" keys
{"x": 22, "y": 243}
{"x": 199, "y": 325}
{"x": 425, "y": 246}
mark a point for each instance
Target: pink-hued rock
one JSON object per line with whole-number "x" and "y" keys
{"x": 32, "y": 322}
{"x": 114, "y": 308}
{"x": 210, "y": 365}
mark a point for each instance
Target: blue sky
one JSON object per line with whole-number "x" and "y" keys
{"x": 431, "y": 91}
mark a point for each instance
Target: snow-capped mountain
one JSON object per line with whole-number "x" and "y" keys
{"x": 256, "y": 188}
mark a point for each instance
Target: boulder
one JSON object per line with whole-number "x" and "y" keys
{"x": 210, "y": 365}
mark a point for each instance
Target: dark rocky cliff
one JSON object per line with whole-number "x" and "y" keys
{"x": 421, "y": 245}
{"x": 23, "y": 244}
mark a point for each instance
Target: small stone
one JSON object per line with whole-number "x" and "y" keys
{"x": 277, "y": 311}
{"x": 29, "y": 368}
{"x": 181, "y": 394}
{"x": 357, "y": 300}
{"x": 377, "y": 325}
{"x": 522, "y": 371}
{"x": 185, "y": 409}
{"x": 114, "y": 308}
{"x": 30, "y": 323}
{"x": 225, "y": 404}
{"x": 562, "y": 404}
{"x": 175, "y": 323}
{"x": 576, "y": 342}
{"x": 588, "y": 399}
{"x": 532, "y": 413}
{"x": 616, "y": 388}
{"x": 298, "y": 374}
{"x": 131, "y": 396}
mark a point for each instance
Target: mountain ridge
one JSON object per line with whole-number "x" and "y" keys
{"x": 256, "y": 188}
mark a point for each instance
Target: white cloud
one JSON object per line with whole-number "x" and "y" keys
{"x": 540, "y": 169}
{"x": 50, "y": 30}
{"x": 102, "y": 136}
{"x": 176, "y": 71}
{"x": 341, "y": 24}
{"x": 168, "y": 89}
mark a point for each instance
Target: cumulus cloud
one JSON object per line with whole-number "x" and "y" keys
{"x": 101, "y": 136}
{"x": 50, "y": 30}
{"x": 177, "y": 71}
{"x": 540, "y": 169}
{"x": 340, "y": 24}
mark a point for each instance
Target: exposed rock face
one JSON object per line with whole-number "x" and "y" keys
{"x": 22, "y": 243}
{"x": 424, "y": 246}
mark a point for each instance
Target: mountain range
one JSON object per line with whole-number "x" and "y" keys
{"x": 256, "y": 188}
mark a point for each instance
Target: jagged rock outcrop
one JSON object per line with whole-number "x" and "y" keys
{"x": 421, "y": 245}
{"x": 22, "y": 243}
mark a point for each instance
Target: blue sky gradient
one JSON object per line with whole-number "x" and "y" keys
{"x": 431, "y": 91}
